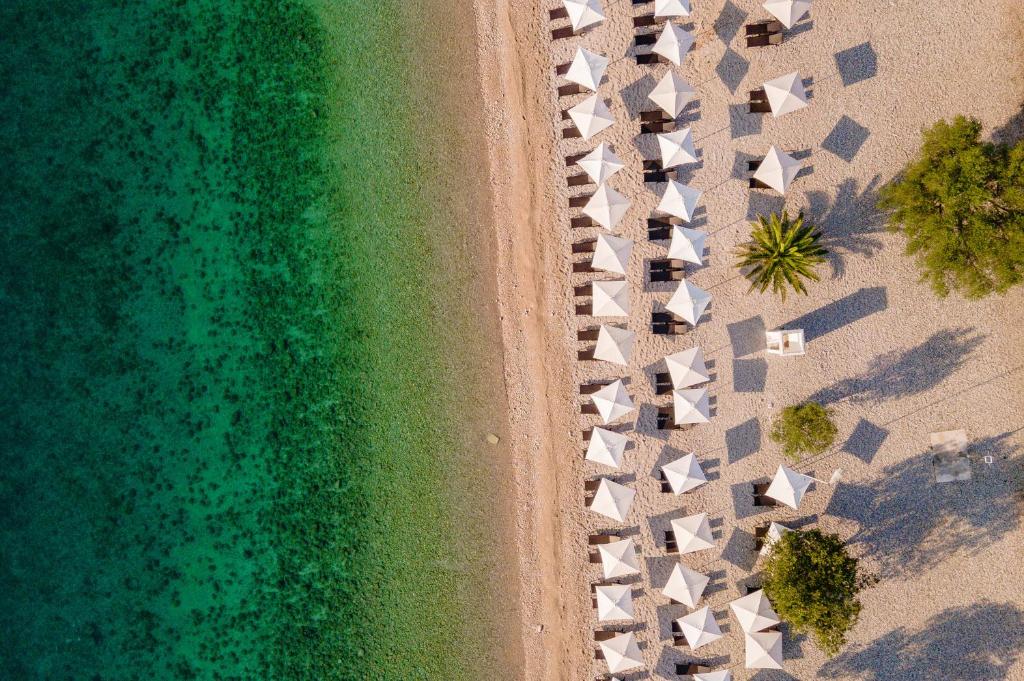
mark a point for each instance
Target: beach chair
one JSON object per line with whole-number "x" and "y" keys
{"x": 583, "y": 290}
{"x": 662, "y": 126}
{"x": 656, "y": 176}
{"x": 763, "y": 27}
{"x": 760, "y": 498}
{"x": 646, "y": 39}
{"x": 585, "y": 309}
{"x": 667, "y": 419}
{"x": 666, "y": 488}
{"x": 760, "y": 533}
{"x": 589, "y": 409}
{"x": 578, "y": 180}
{"x": 759, "y": 101}
{"x": 659, "y": 229}
{"x": 764, "y": 40}
{"x": 566, "y": 116}
{"x": 591, "y": 485}
{"x": 656, "y": 116}
{"x": 563, "y": 69}
{"x": 598, "y": 539}
{"x": 595, "y": 558}
{"x": 562, "y": 33}
{"x": 585, "y": 355}
{"x": 571, "y": 133}
{"x": 583, "y": 268}
{"x": 690, "y": 668}
{"x": 661, "y": 276}
{"x": 642, "y": 2}
{"x": 587, "y": 246}
{"x": 758, "y": 184}
{"x": 645, "y": 20}
{"x": 591, "y": 388}
{"x": 662, "y": 383}
{"x": 571, "y": 159}
{"x": 570, "y": 89}
{"x": 670, "y": 542}
{"x": 667, "y": 265}
{"x": 588, "y": 336}
{"x": 579, "y": 201}
{"x": 649, "y": 58}
{"x": 581, "y": 222}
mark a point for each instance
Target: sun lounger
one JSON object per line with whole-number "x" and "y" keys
{"x": 676, "y": 629}
{"x": 660, "y": 276}
{"x": 642, "y": 2}
{"x": 578, "y": 180}
{"x": 656, "y": 176}
{"x": 587, "y": 246}
{"x": 666, "y": 488}
{"x": 763, "y": 27}
{"x": 667, "y": 419}
{"x": 558, "y": 13}
{"x": 585, "y": 309}
{"x": 570, "y": 89}
{"x": 565, "y": 115}
{"x": 758, "y": 95}
{"x": 645, "y": 20}
{"x": 597, "y": 539}
{"x": 670, "y": 542}
{"x": 760, "y": 498}
{"x": 588, "y": 335}
{"x": 583, "y": 268}
{"x": 585, "y": 355}
{"x": 580, "y": 222}
{"x": 753, "y": 165}
{"x": 646, "y": 39}
{"x": 579, "y": 201}
{"x": 652, "y": 128}
{"x": 659, "y": 229}
{"x": 656, "y": 116}
{"x": 649, "y": 58}
{"x": 563, "y": 69}
{"x": 562, "y": 33}
{"x": 662, "y": 383}
{"x": 571, "y": 159}
{"x": 591, "y": 485}
{"x": 571, "y": 132}
{"x": 690, "y": 668}
{"x": 764, "y": 40}
{"x": 760, "y": 107}
{"x": 589, "y": 409}
{"x": 605, "y": 635}
{"x": 667, "y": 264}
{"x": 758, "y": 184}
{"x": 760, "y": 532}
{"x": 583, "y": 290}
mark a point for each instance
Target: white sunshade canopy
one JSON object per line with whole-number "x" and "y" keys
{"x": 672, "y": 93}
{"x": 777, "y": 170}
{"x": 687, "y": 244}
{"x": 786, "y": 94}
{"x": 689, "y": 302}
{"x": 721, "y": 675}
{"x": 612, "y": 500}
{"x": 764, "y": 650}
{"x": 788, "y": 11}
{"x": 788, "y": 487}
{"x": 587, "y": 68}
{"x": 774, "y": 534}
{"x": 622, "y": 653}
{"x": 611, "y": 298}
{"x": 699, "y": 628}
{"x": 679, "y": 200}
{"x": 601, "y": 163}
{"x": 611, "y": 253}
{"x": 693, "y": 533}
{"x": 754, "y": 612}
{"x": 684, "y": 474}
{"x": 685, "y": 585}
{"x": 676, "y": 148}
{"x": 591, "y": 116}
{"x": 618, "y": 559}
{"x": 614, "y": 345}
{"x": 671, "y": 8}
{"x": 612, "y": 401}
{"x": 691, "y": 406}
{"x": 606, "y": 446}
{"x": 687, "y": 368}
{"x": 606, "y": 207}
{"x": 583, "y": 13}
{"x": 614, "y": 602}
{"x": 673, "y": 43}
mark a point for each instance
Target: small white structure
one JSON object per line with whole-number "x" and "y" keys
{"x": 587, "y": 68}
{"x": 618, "y": 559}
{"x": 622, "y": 653}
{"x": 699, "y": 628}
{"x": 685, "y": 585}
{"x": 774, "y": 534}
{"x": 787, "y": 11}
{"x": 601, "y": 163}
{"x": 785, "y": 94}
{"x": 721, "y": 675}
{"x": 687, "y": 244}
{"x": 687, "y": 368}
{"x": 777, "y": 170}
{"x": 606, "y": 207}
{"x": 611, "y": 253}
{"x": 612, "y": 500}
{"x": 611, "y": 298}
{"x": 676, "y": 148}
{"x": 672, "y": 93}
{"x": 583, "y": 13}
{"x": 673, "y": 43}
{"x": 591, "y": 116}
{"x": 689, "y": 302}
{"x": 693, "y": 533}
{"x": 691, "y": 406}
{"x": 764, "y": 650}
{"x": 614, "y": 345}
{"x": 785, "y": 342}
{"x": 754, "y": 612}
{"x": 606, "y": 447}
{"x": 613, "y": 402}
{"x": 671, "y": 8}
{"x": 788, "y": 487}
{"x": 684, "y": 474}
{"x": 679, "y": 200}
{"x": 614, "y": 602}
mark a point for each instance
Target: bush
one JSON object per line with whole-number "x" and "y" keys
{"x": 960, "y": 205}
{"x": 803, "y": 429}
{"x": 813, "y": 584}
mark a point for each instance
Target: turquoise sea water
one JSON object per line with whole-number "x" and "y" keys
{"x": 231, "y": 426}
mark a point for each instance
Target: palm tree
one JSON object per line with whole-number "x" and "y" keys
{"x": 781, "y": 254}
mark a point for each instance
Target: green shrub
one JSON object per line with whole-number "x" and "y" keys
{"x": 803, "y": 429}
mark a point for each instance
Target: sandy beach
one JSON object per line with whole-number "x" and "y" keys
{"x": 893, "y": 362}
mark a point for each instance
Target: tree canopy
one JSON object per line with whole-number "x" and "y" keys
{"x": 781, "y": 254}
{"x": 803, "y": 429}
{"x": 960, "y": 205}
{"x": 813, "y": 584}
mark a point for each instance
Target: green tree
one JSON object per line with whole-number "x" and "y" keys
{"x": 780, "y": 254}
{"x": 813, "y": 584}
{"x": 803, "y": 429}
{"x": 960, "y": 205}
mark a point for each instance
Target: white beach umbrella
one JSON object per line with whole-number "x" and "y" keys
{"x": 673, "y": 43}
{"x": 672, "y": 93}
{"x": 601, "y": 163}
{"x": 586, "y": 68}
{"x": 777, "y": 170}
{"x": 785, "y": 94}
{"x": 591, "y": 116}
{"x": 622, "y": 653}
{"x": 679, "y": 200}
{"x": 721, "y": 675}
{"x": 612, "y": 500}
{"x": 788, "y": 487}
{"x": 774, "y": 534}
{"x": 788, "y": 11}
{"x": 693, "y": 533}
{"x": 614, "y": 344}
{"x": 689, "y": 302}
{"x": 583, "y": 13}
{"x": 685, "y": 585}
{"x": 614, "y": 602}
{"x": 671, "y": 8}
{"x": 684, "y": 473}
{"x": 612, "y": 401}
{"x": 618, "y": 559}
{"x": 676, "y": 148}
{"x": 754, "y": 612}
{"x": 764, "y": 650}
{"x": 611, "y": 298}
{"x": 699, "y": 628}
{"x": 691, "y": 406}
{"x": 606, "y": 446}
{"x": 611, "y": 253}
{"x": 606, "y": 207}
{"x": 687, "y": 368}
{"x": 687, "y": 244}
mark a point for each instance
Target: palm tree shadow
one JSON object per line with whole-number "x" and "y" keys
{"x": 849, "y": 222}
